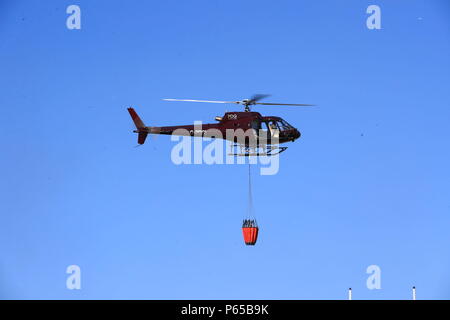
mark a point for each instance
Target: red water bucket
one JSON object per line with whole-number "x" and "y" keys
{"x": 250, "y": 231}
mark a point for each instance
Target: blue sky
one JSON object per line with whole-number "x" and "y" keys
{"x": 367, "y": 183}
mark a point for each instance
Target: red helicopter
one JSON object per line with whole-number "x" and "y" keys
{"x": 262, "y": 135}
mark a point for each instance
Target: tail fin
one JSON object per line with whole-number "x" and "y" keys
{"x": 137, "y": 121}
{"x": 140, "y": 126}
{"x": 141, "y": 137}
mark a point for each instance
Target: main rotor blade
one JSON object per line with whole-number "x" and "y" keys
{"x": 190, "y": 100}
{"x": 285, "y": 104}
{"x": 257, "y": 97}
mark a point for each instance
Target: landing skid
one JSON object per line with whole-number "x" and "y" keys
{"x": 260, "y": 151}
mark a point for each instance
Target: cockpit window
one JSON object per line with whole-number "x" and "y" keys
{"x": 273, "y": 125}
{"x": 284, "y": 125}
{"x": 256, "y": 124}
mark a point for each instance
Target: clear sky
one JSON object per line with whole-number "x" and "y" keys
{"x": 368, "y": 183}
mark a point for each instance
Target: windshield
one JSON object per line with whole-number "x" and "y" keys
{"x": 284, "y": 125}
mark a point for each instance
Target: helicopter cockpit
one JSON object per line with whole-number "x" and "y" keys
{"x": 272, "y": 126}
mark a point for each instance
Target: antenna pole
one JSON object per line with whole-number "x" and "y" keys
{"x": 414, "y": 293}
{"x": 349, "y": 293}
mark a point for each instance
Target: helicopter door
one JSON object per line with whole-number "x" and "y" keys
{"x": 274, "y": 131}
{"x": 270, "y": 130}
{"x": 264, "y": 131}
{"x": 256, "y": 125}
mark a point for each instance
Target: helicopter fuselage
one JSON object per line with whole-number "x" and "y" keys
{"x": 266, "y": 130}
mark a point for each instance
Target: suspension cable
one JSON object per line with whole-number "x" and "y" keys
{"x": 250, "y": 208}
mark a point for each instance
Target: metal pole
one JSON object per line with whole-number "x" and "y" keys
{"x": 349, "y": 293}
{"x": 414, "y": 293}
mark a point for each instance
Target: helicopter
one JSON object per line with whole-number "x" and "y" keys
{"x": 252, "y": 133}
